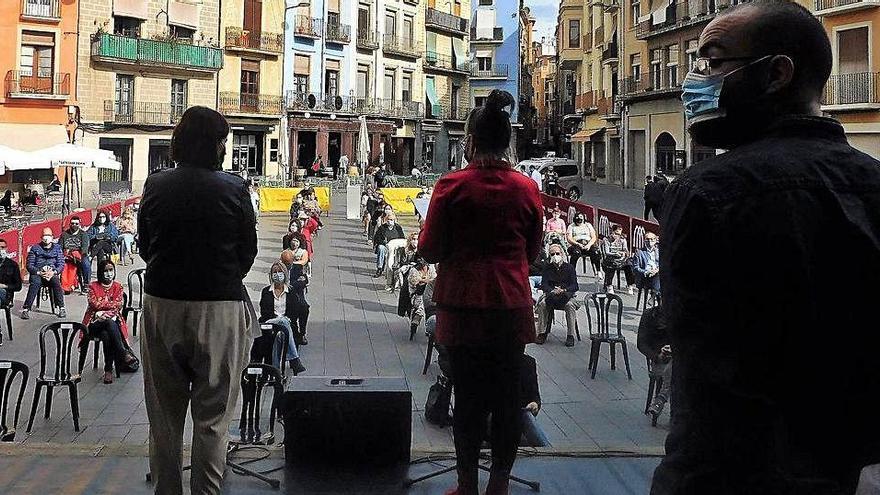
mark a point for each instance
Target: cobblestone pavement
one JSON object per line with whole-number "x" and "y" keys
{"x": 354, "y": 329}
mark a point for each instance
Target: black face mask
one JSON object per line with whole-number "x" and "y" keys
{"x": 578, "y": 220}
{"x": 749, "y": 111}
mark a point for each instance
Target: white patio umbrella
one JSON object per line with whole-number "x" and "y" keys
{"x": 363, "y": 149}
{"x": 74, "y": 157}
{"x": 13, "y": 159}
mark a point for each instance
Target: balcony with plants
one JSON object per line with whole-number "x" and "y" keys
{"x": 162, "y": 52}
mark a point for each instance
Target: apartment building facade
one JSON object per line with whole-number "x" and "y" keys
{"x": 141, "y": 65}
{"x": 852, "y": 94}
{"x": 250, "y": 92}
{"x": 544, "y": 82}
{"x": 526, "y": 132}
{"x": 495, "y": 40}
{"x": 38, "y": 44}
{"x": 447, "y": 71}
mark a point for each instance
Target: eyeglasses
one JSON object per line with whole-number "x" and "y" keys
{"x": 704, "y": 65}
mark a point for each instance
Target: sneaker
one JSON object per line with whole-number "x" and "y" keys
{"x": 542, "y": 337}
{"x": 656, "y": 407}
{"x": 25, "y": 314}
{"x": 569, "y": 341}
{"x": 305, "y": 341}
{"x": 62, "y": 313}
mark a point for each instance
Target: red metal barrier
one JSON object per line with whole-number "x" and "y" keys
{"x": 638, "y": 230}
{"x": 85, "y": 218}
{"x": 115, "y": 209}
{"x": 605, "y": 218}
{"x": 131, "y": 201}
{"x": 568, "y": 208}
{"x": 12, "y": 246}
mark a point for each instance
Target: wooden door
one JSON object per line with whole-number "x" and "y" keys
{"x": 253, "y": 20}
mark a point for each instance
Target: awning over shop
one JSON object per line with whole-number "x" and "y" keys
{"x": 433, "y": 99}
{"x": 32, "y": 137}
{"x": 585, "y": 134}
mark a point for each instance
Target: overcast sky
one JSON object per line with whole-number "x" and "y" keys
{"x": 545, "y": 13}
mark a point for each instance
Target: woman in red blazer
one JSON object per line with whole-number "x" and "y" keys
{"x": 484, "y": 226}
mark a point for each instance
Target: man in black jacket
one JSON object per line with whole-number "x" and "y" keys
{"x": 198, "y": 237}
{"x": 10, "y": 278}
{"x": 762, "y": 406}
{"x": 650, "y": 196}
{"x": 559, "y": 284}
{"x": 385, "y": 233}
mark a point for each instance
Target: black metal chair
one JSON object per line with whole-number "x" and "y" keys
{"x": 655, "y": 383}
{"x": 46, "y": 295}
{"x": 8, "y": 371}
{"x": 84, "y": 346}
{"x": 644, "y": 295}
{"x": 271, "y": 347}
{"x": 602, "y": 304}
{"x": 429, "y": 353}
{"x": 135, "y": 298}
{"x": 64, "y": 335}
{"x": 7, "y": 308}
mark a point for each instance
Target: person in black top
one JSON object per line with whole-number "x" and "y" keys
{"x": 10, "y": 275}
{"x": 654, "y": 342}
{"x": 6, "y": 201}
{"x": 386, "y": 232}
{"x": 651, "y": 189}
{"x": 280, "y": 303}
{"x": 763, "y": 403}
{"x": 379, "y": 176}
{"x": 198, "y": 237}
{"x": 559, "y": 284}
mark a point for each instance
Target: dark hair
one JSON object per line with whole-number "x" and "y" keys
{"x": 195, "y": 139}
{"x": 615, "y": 226}
{"x": 783, "y": 27}
{"x": 103, "y": 265}
{"x": 489, "y": 125}
{"x": 78, "y": 219}
{"x": 98, "y": 215}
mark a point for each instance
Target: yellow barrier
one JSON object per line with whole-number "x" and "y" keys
{"x": 279, "y": 199}
{"x": 396, "y": 197}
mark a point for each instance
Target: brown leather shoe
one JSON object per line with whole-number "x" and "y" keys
{"x": 541, "y": 338}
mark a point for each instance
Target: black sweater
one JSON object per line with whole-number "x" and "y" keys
{"x": 10, "y": 275}
{"x": 295, "y": 302}
{"x": 528, "y": 381}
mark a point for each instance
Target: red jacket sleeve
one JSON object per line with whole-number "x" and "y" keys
{"x": 433, "y": 239}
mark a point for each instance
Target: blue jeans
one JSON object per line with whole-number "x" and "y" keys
{"x": 85, "y": 271}
{"x": 37, "y": 282}
{"x": 431, "y": 325}
{"x": 381, "y": 256}
{"x": 532, "y": 434}
{"x": 291, "y": 345}
{"x": 127, "y": 243}
{"x": 534, "y": 283}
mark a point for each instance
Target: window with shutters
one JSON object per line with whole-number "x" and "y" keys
{"x": 37, "y": 54}
{"x": 574, "y": 33}
{"x": 363, "y": 78}
{"x": 656, "y": 71}
{"x": 389, "y": 85}
{"x": 406, "y": 86}
{"x": 672, "y": 66}
{"x": 301, "y": 65}
{"x": 250, "y": 77}
{"x": 178, "y": 97}
{"x": 635, "y": 63}
{"x": 124, "y": 95}
{"x": 331, "y": 82}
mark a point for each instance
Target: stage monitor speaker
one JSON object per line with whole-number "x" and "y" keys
{"x": 347, "y": 420}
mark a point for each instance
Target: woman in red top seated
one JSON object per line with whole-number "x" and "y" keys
{"x": 484, "y": 226}
{"x": 104, "y": 319}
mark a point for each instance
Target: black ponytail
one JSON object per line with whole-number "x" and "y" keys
{"x": 489, "y": 125}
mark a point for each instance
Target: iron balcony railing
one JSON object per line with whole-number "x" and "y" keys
{"x": 338, "y": 33}
{"x": 141, "y": 113}
{"x": 684, "y": 13}
{"x": 610, "y": 53}
{"x": 176, "y": 54}
{"x": 663, "y": 79}
{"x": 445, "y": 111}
{"x": 385, "y": 107}
{"x": 367, "y": 39}
{"x": 238, "y": 38}
{"x": 41, "y": 9}
{"x": 447, "y": 22}
{"x": 493, "y": 71}
{"x": 437, "y": 61}
{"x": 25, "y": 84}
{"x": 310, "y": 27}
{"x": 319, "y": 102}
{"x": 399, "y": 45}
{"x": 832, "y": 4}
{"x": 232, "y": 103}
{"x": 852, "y": 89}
{"x": 497, "y": 35}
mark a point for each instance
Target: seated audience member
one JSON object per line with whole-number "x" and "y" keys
{"x": 646, "y": 263}
{"x": 418, "y": 278}
{"x": 555, "y": 223}
{"x": 102, "y": 237}
{"x": 6, "y": 201}
{"x": 279, "y": 305}
{"x": 582, "y": 241}
{"x": 396, "y": 277}
{"x": 385, "y": 233}
{"x": 293, "y": 230}
{"x": 44, "y": 264}
{"x": 10, "y": 275}
{"x": 54, "y": 185}
{"x": 309, "y": 227}
{"x": 559, "y": 284}
{"x": 296, "y": 205}
{"x": 104, "y": 320}
{"x": 297, "y": 254}
{"x": 615, "y": 256}
{"x": 530, "y": 399}
{"x": 75, "y": 245}
{"x": 377, "y": 218}
{"x": 654, "y": 341}
{"x": 127, "y": 231}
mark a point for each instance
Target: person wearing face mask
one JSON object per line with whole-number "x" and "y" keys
{"x": 10, "y": 277}
{"x": 750, "y": 384}
{"x": 309, "y": 227}
{"x": 582, "y": 241}
{"x": 378, "y": 216}
{"x": 615, "y": 257}
{"x": 45, "y": 261}
{"x": 103, "y": 320}
{"x": 279, "y": 305}
{"x": 385, "y": 234}
{"x": 75, "y": 244}
{"x": 293, "y": 230}
{"x": 559, "y": 285}
{"x": 556, "y": 223}
{"x": 102, "y": 236}
{"x": 646, "y": 264}
{"x": 197, "y": 234}
{"x": 484, "y": 227}
{"x": 295, "y": 253}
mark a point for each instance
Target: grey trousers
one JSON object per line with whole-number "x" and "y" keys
{"x": 192, "y": 351}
